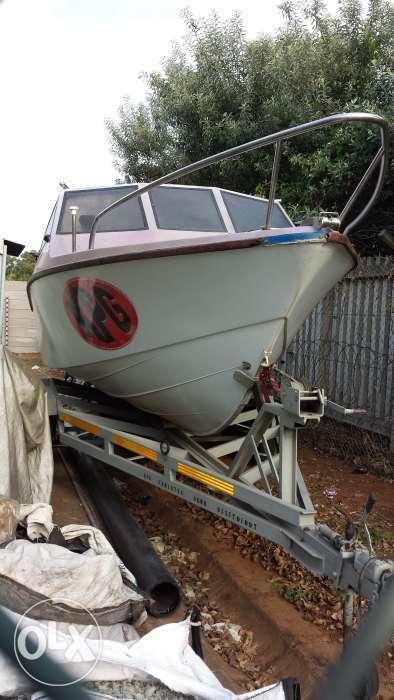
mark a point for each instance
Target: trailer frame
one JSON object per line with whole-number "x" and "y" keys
{"x": 258, "y": 487}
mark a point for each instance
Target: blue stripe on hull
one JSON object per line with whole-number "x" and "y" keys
{"x": 294, "y": 237}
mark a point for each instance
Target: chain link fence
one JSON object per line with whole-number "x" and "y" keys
{"x": 346, "y": 347}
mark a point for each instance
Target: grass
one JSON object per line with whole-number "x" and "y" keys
{"x": 378, "y": 536}
{"x": 293, "y": 594}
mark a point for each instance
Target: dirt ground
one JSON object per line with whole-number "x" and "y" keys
{"x": 325, "y": 475}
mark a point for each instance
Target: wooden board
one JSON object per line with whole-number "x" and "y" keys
{"x": 22, "y": 334}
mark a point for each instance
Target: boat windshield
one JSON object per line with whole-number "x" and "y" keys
{"x": 249, "y": 213}
{"x": 175, "y": 208}
{"x": 186, "y": 209}
{"x": 126, "y": 217}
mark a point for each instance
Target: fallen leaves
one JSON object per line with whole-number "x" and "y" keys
{"x": 312, "y": 596}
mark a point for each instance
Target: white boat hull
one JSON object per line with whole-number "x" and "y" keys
{"x": 201, "y": 316}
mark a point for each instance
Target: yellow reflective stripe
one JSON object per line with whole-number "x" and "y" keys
{"x": 135, "y": 447}
{"x": 207, "y": 479}
{"x": 79, "y": 423}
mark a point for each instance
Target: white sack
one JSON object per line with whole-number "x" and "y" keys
{"x": 163, "y": 654}
{"x": 98, "y": 544}
{"x": 90, "y": 580}
{"x": 38, "y": 520}
{"x": 14, "y": 682}
{"x": 26, "y": 462}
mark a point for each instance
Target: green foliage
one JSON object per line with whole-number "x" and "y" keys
{"x": 217, "y": 89}
{"x": 20, "y": 268}
{"x": 379, "y": 536}
{"x": 293, "y": 594}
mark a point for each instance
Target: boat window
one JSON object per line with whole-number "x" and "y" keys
{"x": 126, "y": 217}
{"x": 186, "y": 209}
{"x": 248, "y": 214}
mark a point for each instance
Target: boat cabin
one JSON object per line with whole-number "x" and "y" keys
{"x": 167, "y": 212}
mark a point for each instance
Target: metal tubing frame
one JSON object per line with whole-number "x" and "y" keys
{"x": 150, "y": 449}
{"x": 74, "y": 227}
{"x": 277, "y": 138}
{"x": 317, "y": 548}
{"x": 239, "y": 510}
{"x": 274, "y": 180}
{"x": 288, "y": 465}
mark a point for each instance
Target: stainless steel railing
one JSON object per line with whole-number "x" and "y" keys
{"x": 278, "y": 138}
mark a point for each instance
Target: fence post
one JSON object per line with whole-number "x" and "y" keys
{"x": 325, "y": 340}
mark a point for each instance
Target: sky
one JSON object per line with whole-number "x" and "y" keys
{"x": 65, "y": 67}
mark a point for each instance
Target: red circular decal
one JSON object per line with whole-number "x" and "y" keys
{"x": 100, "y": 313}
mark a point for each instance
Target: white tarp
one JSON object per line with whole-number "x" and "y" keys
{"x": 99, "y": 653}
{"x": 72, "y": 645}
{"x": 38, "y": 520}
{"x": 26, "y": 462}
{"x": 88, "y": 580}
{"x": 163, "y": 654}
{"x": 91, "y": 580}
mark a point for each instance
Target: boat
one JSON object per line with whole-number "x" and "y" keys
{"x": 172, "y": 296}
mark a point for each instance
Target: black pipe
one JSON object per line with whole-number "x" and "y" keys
{"x": 195, "y": 620}
{"x": 128, "y": 539}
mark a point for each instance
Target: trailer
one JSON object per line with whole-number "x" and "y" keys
{"x": 249, "y": 475}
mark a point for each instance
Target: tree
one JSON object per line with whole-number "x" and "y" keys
{"x": 217, "y": 89}
{"x": 20, "y": 268}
